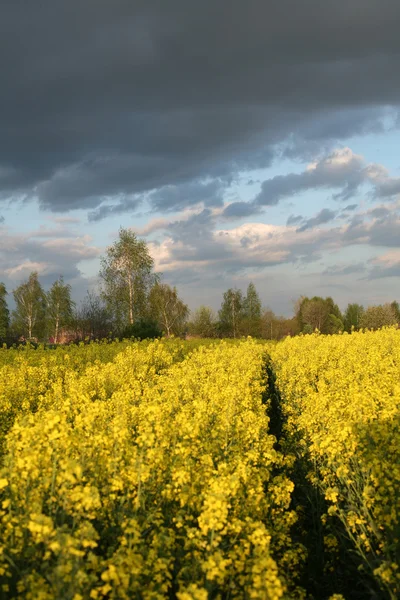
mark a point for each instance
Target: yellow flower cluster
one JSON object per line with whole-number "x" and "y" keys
{"x": 341, "y": 401}
{"x": 146, "y": 473}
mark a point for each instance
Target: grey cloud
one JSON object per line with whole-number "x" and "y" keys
{"x": 109, "y": 210}
{"x": 51, "y": 255}
{"x": 380, "y": 212}
{"x": 2, "y": 219}
{"x": 167, "y": 199}
{"x": 294, "y": 220}
{"x": 381, "y": 272}
{"x": 383, "y": 232}
{"x": 318, "y": 134}
{"x": 194, "y": 239}
{"x": 344, "y": 269}
{"x": 350, "y": 207}
{"x": 257, "y": 247}
{"x": 104, "y": 99}
{"x": 341, "y": 169}
{"x": 324, "y": 216}
{"x": 174, "y": 197}
{"x": 240, "y": 209}
{"x": 388, "y": 187}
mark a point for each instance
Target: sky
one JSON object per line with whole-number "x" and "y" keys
{"x": 244, "y": 141}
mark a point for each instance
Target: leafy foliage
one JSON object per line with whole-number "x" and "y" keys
{"x": 4, "y": 312}
{"x": 251, "y": 323}
{"x": 231, "y": 313}
{"x": 319, "y": 313}
{"x": 167, "y": 309}
{"x": 143, "y": 329}
{"x": 127, "y": 276}
{"x": 30, "y": 312}
{"x": 375, "y": 317}
{"x": 59, "y": 307}
{"x": 203, "y": 323}
{"x": 353, "y": 316}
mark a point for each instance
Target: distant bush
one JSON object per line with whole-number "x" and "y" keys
{"x": 143, "y": 329}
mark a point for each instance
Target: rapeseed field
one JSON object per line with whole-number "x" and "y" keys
{"x": 195, "y": 471}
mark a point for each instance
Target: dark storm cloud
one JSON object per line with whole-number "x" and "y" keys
{"x": 102, "y": 99}
{"x": 317, "y": 133}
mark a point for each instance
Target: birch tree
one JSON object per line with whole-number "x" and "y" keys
{"x": 59, "y": 307}
{"x": 252, "y": 312}
{"x": 169, "y": 310}
{"x": 231, "y": 313}
{"x": 127, "y": 276}
{"x": 203, "y": 322}
{"x": 30, "y": 307}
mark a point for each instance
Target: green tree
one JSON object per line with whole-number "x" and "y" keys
{"x": 251, "y": 324}
{"x": 276, "y": 328}
{"x": 168, "y": 309}
{"x": 378, "y": 316}
{"x": 231, "y": 313}
{"x": 352, "y": 316}
{"x": 203, "y": 323}
{"x": 143, "y": 329}
{"x": 268, "y": 321}
{"x": 127, "y": 275}
{"x": 30, "y": 308}
{"x": 335, "y": 324}
{"x": 396, "y": 309}
{"x": 59, "y": 307}
{"x": 319, "y": 313}
{"x": 4, "y": 312}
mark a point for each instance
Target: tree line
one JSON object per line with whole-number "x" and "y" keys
{"x": 132, "y": 301}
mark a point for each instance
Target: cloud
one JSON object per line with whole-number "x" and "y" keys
{"x": 340, "y": 270}
{"x": 386, "y": 265}
{"x": 50, "y": 255}
{"x": 138, "y": 101}
{"x": 294, "y": 220}
{"x": 324, "y": 216}
{"x": 384, "y": 232}
{"x": 237, "y": 210}
{"x": 199, "y": 243}
{"x": 152, "y": 226}
{"x": 342, "y": 168}
{"x": 178, "y": 197}
{"x": 108, "y": 210}
{"x": 65, "y": 220}
{"x": 2, "y": 219}
{"x": 196, "y": 243}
